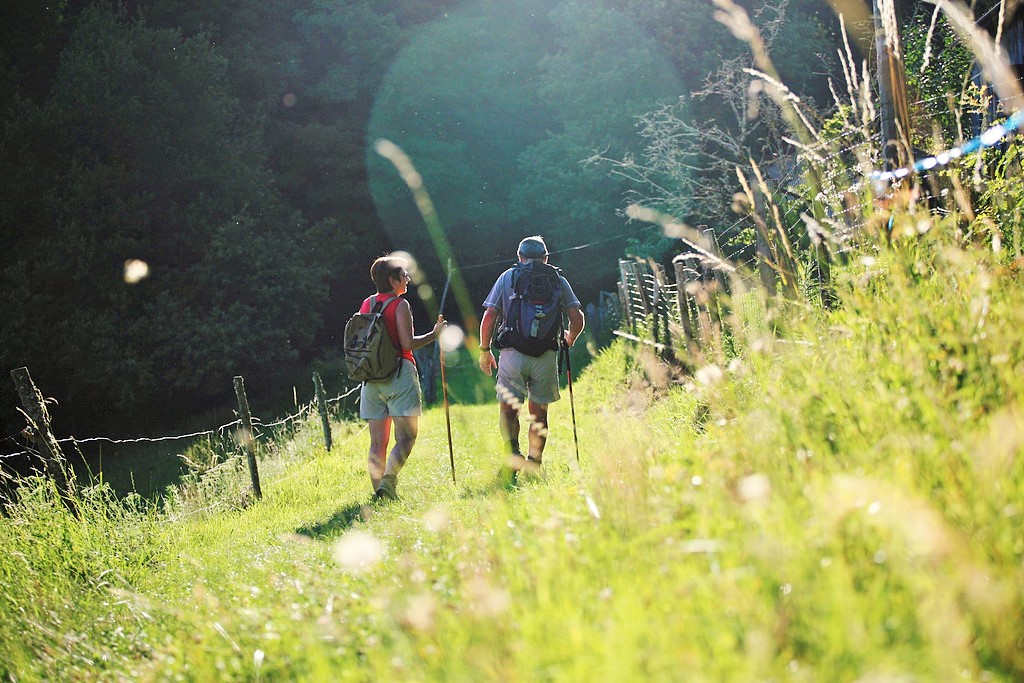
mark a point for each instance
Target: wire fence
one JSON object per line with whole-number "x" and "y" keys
{"x": 689, "y": 306}
{"x": 34, "y": 431}
{"x": 692, "y": 306}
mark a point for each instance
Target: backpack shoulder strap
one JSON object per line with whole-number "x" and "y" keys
{"x": 383, "y": 304}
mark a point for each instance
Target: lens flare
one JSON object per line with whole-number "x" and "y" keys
{"x": 135, "y": 271}
{"x": 358, "y": 551}
{"x": 438, "y": 519}
{"x": 753, "y": 487}
{"x": 451, "y": 338}
{"x": 411, "y": 265}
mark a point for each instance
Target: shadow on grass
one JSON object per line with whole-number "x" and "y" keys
{"x": 337, "y": 523}
{"x": 502, "y": 482}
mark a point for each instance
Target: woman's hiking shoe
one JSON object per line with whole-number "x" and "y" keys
{"x": 388, "y": 488}
{"x": 531, "y": 466}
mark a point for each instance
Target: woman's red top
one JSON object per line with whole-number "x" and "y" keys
{"x": 390, "y": 321}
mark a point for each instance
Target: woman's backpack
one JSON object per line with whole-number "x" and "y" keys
{"x": 533, "y": 315}
{"x": 369, "y": 354}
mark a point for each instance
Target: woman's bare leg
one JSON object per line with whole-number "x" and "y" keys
{"x": 380, "y": 434}
{"x": 406, "y": 431}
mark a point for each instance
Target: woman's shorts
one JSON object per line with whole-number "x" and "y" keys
{"x": 524, "y": 376}
{"x": 396, "y": 396}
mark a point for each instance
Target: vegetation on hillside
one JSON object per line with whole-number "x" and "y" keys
{"x": 840, "y": 502}
{"x": 226, "y": 144}
{"x": 832, "y": 494}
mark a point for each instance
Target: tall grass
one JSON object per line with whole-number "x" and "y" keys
{"x": 838, "y": 497}
{"x": 844, "y": 508}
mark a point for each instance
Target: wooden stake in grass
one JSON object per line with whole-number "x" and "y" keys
{"x": 245, "y": 432}
{"x": 39, "y": 425}
{"x": 321, "y": 402}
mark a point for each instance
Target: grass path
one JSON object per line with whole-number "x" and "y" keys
{"x": 277, "y": 563}
{"x": 844, "y": 509}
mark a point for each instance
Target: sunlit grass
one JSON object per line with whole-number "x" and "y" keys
{"x": 841, "y": 509}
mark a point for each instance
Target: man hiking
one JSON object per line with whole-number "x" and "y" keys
{"x": 529, "y": 300}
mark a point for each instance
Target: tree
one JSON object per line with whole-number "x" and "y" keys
{"x": 139, "y": 151}
{"x": 497, "y": 106}
{"x": 692, "y": 147}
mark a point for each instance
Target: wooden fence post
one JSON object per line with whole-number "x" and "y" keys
{"x": 683, "y": 298}
{"x": 39, "y": 425}
{"x": 639, "y": 269}
{"x": 660, "y": 306}
{"x": 824, "y": 276}
{"x": 247, "y": 437}
{"x": 321, "y": 403}
{"x": 624, "y": 294}
{"x": 655, "y": 309}
{"x": 764, "y": 250}
{"x": 696, "y": 290}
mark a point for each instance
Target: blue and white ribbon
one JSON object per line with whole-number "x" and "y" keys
{"x": 986, "y": 139}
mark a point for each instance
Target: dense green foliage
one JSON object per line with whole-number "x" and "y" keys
{"x": 225, "y": 143}
{"x": 498, "y": 106}
{"x": 833, "y": 493}
{"x": 942, "y": 91}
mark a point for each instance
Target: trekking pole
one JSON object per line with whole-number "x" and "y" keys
{"x": 572, "y": 401}
{"x": 447, "y": 418}
{"x": 444, "y": 380}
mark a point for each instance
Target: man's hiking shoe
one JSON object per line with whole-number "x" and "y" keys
{"x": 506, "y": 477}
{"x": 509, "y": 472}
{"x": 388, "y": 488}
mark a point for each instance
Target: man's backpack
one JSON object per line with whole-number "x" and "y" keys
{"x": 369, "y": 354}
{"x": 533, "y": 315}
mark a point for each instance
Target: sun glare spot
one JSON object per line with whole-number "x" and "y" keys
{"x": 451, "y": 338}
{"x": 135, "y": 271}
{"x": 438, "y": 519}
{"x": 419, "y": 613}
{"x": 289, "y": 100}
{"x": 754, "y": 487}
{"x": 358, "y": 551}
{"x": 411, "y": 264}
{"x": 243, "y": 437}
{"x": 709, "y": 375}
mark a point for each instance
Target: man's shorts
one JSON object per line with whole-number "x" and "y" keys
{"x": 524, "y": 376}
{"x": 396, "y": 396}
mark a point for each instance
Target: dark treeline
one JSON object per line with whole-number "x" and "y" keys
{"x": 227, "y": 144}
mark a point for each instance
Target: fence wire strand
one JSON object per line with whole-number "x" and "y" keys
{"x": 219, "y": 431}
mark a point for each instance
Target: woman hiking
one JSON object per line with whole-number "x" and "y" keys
{"x": 394, "y": 401}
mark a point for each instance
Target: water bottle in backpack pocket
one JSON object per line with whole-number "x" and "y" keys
{"x": 532, "y": 321}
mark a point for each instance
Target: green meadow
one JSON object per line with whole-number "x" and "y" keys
{"x": 839, "y": 499}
